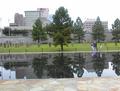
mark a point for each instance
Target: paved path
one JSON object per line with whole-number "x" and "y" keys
{"x": 77, "y": 84}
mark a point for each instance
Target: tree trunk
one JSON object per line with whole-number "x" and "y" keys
{"x": 79, "y": 40}
{"x": 61, "y": 47}
{"x": 38, "y": 42}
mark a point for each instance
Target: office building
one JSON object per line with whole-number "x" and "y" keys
{"x": 19, "y": 19}
{"x": 32, "y": 16}
{"x": 88, "y": 24}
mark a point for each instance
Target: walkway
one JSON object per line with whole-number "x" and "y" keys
{"x": 77, "y": 84}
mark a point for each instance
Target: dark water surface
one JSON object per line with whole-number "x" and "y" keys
{"x": 59, "y": 65}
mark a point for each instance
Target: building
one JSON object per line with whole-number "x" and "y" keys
{"x": 88, "y": 24}
{"x": 44, "y": 12}
{"x": 32, "y": 16}
{"x": 19, "y": 19}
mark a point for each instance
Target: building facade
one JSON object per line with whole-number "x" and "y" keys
{"x": 32, "y": 16}
{"x": 88, "y": 24}
{"x": 19, "y": 19}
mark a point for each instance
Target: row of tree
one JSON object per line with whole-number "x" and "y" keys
{"x": 62, "y": 27}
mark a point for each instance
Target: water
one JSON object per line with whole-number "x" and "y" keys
{"x": 56, "y": 65}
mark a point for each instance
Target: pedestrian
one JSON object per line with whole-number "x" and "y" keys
{"x": 92, "y": 46}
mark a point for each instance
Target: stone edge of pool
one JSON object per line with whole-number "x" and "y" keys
{"x": 65, "y": 84}
{"x": 58, "y": 52}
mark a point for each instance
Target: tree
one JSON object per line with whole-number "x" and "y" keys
{"x": 98, "y": 31}
{"x": 62, "y": 25}
{"x": 78, "y": 29}
{"x": 38, "y": 32}
{"x": 116, "y": 30}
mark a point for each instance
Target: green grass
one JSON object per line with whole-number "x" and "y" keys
{"x": 70, "y": 47}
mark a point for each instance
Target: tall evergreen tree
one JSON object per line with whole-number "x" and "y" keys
{"x": 116, "y": 30}
{"x": 38, "y": 32}
{"x": 78, "y": 29}
{"x": 62, "y": 25}
{"x": 98, "y": 31}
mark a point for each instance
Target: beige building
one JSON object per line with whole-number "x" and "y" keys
{"x": 88, "y": 24}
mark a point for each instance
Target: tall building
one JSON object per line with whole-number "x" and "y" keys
{"x": 32, "y": 16}
{"x": 88, "y": 24}
{"x": 44, "y": 12}
{"x": 19, "y": 19}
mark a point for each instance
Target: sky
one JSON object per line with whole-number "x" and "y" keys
{"x": 107, "y": 10}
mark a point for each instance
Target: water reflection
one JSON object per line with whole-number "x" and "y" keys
{"x": 98, "y": 63}
{"x": 116, "y": 63}
{"x": 59, "y": 65}
{"x": 78, "y": 64}
{"x": 39, "y": 65}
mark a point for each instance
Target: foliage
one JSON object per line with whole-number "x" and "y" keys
{"x": 98, "y": 31}
{"x": 78, "y": 29}
{"x": 116, "y": 30}
{"x": 38, "y": 32}
{"x": 61, "y": 27}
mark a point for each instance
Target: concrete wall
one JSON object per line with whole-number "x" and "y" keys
{"x": 21, "y": 39}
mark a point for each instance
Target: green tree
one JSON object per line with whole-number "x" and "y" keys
{"x": 98, "y": 31}
{"x": 61, "y": 27}
{"x": 38, "y": 32}
{"x": 116, "y": 30}
{"x": 78, "y": 29}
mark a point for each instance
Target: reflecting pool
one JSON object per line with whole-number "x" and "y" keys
{"x": 59, "y": 65}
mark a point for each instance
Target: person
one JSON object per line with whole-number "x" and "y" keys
{"x": 94, "y": 46}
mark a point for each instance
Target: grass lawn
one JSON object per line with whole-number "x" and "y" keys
{"x": 70, "y": 47}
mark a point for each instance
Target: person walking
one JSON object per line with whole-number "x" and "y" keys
{"x": 94, "y": 46}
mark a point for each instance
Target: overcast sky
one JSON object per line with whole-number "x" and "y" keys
{"x": 108, "y": 10}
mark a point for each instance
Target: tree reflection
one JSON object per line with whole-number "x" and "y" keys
{"x": 39, "y": 65}
{"x": 78, "y": 64}
{"x": 98, "y": 63}
{"x": 116, "y": 63}
{"x": 9, "y": 65}
{"x": 60, "y": 67}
